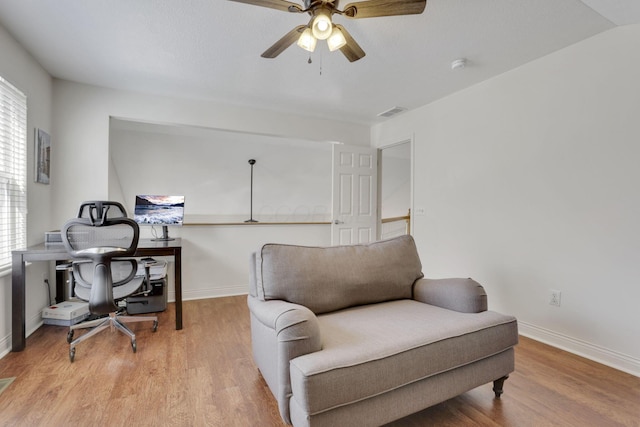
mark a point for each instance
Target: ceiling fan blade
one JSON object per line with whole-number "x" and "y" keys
{"x": 284, "y": 5}
{"x": 286, "y": 41}
{"x": 375, "y": 8}
{"x": 351, "y": 50}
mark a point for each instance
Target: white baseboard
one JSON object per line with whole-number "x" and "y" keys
{"x": 587, "y": 350}
{"x": 5, "y": 346}
{"x": 218, "y": 292}
{"x": 31, "y": 326}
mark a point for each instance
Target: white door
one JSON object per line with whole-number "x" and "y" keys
{"x": 354, "y": 205}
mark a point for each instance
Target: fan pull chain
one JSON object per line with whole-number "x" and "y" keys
{"x": 309, "y": 61}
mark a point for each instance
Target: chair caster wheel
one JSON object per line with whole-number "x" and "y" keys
{"x": 155, "y": 326}
{"x": 134, "y": 346}
{"x": 72, "y": 354}
{"x": 70, "y": 337}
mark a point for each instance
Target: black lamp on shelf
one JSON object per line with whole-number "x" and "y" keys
{"x": 251, "y": 162}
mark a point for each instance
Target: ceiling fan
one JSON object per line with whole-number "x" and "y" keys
{"x": 321, "y": 27}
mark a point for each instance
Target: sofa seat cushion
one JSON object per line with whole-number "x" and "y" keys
{"x": 373, "y": 349}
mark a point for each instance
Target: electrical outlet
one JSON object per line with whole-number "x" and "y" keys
{"x": 555, "y": 297}
{"x": 420, "y": 211}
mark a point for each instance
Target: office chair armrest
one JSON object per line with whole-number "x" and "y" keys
{"x": 132, "y": 274}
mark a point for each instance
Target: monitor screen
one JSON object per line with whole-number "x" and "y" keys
{"x": 159, "y": 210}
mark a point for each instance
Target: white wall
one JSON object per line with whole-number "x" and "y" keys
{"x": 291, "y": 177}
{"x": 215, "y": 258}
{"x": 529, "y": 183}
{"x": 20, "y": 69}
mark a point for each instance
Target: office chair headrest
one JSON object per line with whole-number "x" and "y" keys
{"x": 100, "y": 240}
{"x": 99, "y": 211}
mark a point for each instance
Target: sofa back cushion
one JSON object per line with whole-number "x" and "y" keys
{"x": 326, "y": 279}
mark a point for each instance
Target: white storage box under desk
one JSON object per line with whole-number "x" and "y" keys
{"x": 66, "y": 313}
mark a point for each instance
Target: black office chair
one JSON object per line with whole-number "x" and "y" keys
{"x": 97, "y": 240}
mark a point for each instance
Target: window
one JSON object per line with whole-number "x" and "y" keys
{"x": 13, "y": 171}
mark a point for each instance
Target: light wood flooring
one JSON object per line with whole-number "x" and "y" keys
{"x": 204, "y": 375}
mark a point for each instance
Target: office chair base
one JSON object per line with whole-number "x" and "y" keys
{"x": 114, "y": 321}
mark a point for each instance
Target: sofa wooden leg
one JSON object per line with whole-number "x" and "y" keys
{"x": 497, "y": 386}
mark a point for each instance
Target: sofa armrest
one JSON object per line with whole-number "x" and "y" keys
{"x": 463, "y": 295}
{"x": 292, "y": 323}
{"x": 281, "y": 331}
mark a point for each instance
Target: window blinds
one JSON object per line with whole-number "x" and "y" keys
{"x": 13, "y": 171}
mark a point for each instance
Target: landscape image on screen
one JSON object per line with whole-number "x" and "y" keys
{"x": 159, "y": 210}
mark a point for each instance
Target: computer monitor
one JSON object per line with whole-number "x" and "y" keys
{"x": 159, "y": 210}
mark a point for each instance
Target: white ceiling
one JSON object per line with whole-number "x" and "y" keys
{"x": 210, "y": 49}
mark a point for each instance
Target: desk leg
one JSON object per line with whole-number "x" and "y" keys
{"x": 178, "y": 285}
{"x": 60, "y": 284}
{"x": 18, "y": 304}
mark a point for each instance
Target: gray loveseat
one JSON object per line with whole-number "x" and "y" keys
{"x": 355, "y": 336}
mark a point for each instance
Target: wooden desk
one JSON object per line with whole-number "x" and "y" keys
{"x": 42, "y": 252}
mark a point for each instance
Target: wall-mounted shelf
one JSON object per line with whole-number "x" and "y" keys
{"x": 234, "y": 220}
{"x": 200, "y": 224}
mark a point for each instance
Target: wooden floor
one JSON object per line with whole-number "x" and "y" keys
{"x": 203, "y": 375}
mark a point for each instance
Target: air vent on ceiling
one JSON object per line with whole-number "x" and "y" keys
{"x": 392, "y": 112}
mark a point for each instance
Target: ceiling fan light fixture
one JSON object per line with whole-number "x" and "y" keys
{"x": 307, "y": 41}
{"x": 322, "y": 25}
{"x": 336, "y": 40}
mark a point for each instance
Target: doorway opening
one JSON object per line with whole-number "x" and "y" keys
{"x": 395, "y": 189}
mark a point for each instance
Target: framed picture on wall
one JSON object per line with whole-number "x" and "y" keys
{"x": 42, "y": 156}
